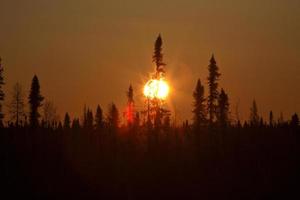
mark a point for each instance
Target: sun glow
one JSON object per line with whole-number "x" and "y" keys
{"x": 156, "y": 88}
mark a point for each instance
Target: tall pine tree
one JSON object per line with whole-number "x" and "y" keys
{"x": 89, "y": 119}
{"x": 1, "y": 93}
{"x": 67, "y": 121}
{"x": 130, "y": 107}
{"x": 223, "y": 109}
{"x": 199, "y": 106}
{"x": 213, "y": 94}
{"x": 254, "y": 117}
{"x": 35, "y": 101}
{"x": 99, "y": 118}
{"x": 295, "y": 120}
{"x": 113, "y": 117}
{"x": 271, "y": 119}
{"x": 157, "y": 57}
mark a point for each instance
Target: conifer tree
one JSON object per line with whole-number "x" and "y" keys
{"x": 281, "y": 119}
{"x": 84, "y": 122}
{"x": 199, "y": 106}
{"x": 1, "y": 93}
{"x": 75, "y": 124}
{"x": 99, "y": 118}
{"x": 67, "y": 121}
{"x": 213, "y": 94}
{"x": 35, "y": 101}
{"x": 294, "y": 120}
{"x": 271, "y": 119}
{"x": 157, "y": 57}
{"x": 130, "y": 107}
{"x": 89, "y": 119}
{"x": 113, "y": 117}
{"x": 254, "y": 117}
{"x": 223, "y": 109}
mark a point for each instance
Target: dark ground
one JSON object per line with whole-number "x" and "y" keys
{"x": 233, "y": 163}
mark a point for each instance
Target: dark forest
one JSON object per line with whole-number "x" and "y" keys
{"x": 96, "y": 156}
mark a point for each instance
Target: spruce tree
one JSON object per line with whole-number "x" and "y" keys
{"x": 67, "y": 121}
{"x": 35, "y": 101}
{"x": 130, "y": 107}
{"x": 75, "y": 124}
{"x": 157, "y": 57}
{"x": 199, "y": 111}
{"x": 271, "y": 119}
{"x": 99, "y": 118}
{"x": 281, "y": 119}
{"x": 294, "y": 120}
{"x": 223, "y": 109}
{"x": 213, "y": 94}
{"x": 89, "y": 119}
{"x": 254, "y": 117}
{"x": 84, "y": 116}
{"x": 113, "y": 117}
{"x": 1, "y": 93}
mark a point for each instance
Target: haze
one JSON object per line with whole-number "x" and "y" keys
{"x": 88, "y": 52}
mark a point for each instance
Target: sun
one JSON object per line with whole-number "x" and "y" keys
{"x": 156, "y": 89}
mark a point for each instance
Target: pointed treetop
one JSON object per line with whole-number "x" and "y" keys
{"x": 130, "y": 94}
{"x": 159, "y": 36}
{"x": 212, "y": 60}
{"x": 35, "y": 78}
{"x": 158, "y": 42}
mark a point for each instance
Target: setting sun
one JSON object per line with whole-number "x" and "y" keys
{"x": 156, "y": 89}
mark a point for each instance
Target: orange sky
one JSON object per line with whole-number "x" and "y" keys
{"x": 90, "y": 51}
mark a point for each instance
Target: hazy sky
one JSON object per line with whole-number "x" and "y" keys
{"x": 89, "y": 51}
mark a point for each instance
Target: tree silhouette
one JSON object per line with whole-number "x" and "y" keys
{"x": 213, "y": 77}
{"x": 89, "y": 119}
{"x": 50, "y": 116}
{"x": 16, "y": 106}
{"x": 130, "y": 107}
{"x": 223, "y": 109}
{"x": 67, "y": 121}
{"x": 199, "y": 112}
{"x": 99, "y": 118}
{"x": 254, "y": 117}
{"x": 157, "y": 57}
{"x": 261, "y": 122}
{"x": 35, "y": 101}
{"x": 294, "y": 120}
{"x": 75, "y": 124}
{"x": 113, "y": 117}
{"x": 84, "y": 116}
{"x": 271, "y": 119}
{"x": 1, "y": 93}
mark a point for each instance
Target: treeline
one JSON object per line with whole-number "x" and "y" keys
{"x": 43, "y": 157}
{"x": 140, "y": 163}
{"x": 210, "y": 111}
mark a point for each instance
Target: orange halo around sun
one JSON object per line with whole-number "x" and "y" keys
{"x": 156, "y": 89}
